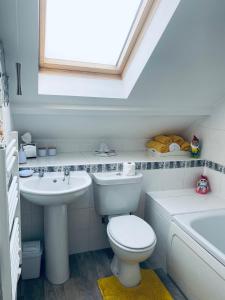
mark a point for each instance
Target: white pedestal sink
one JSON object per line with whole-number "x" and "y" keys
{"x": 54, "y": 192}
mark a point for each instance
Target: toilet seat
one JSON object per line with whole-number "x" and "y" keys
{"x": 131, "y": 232}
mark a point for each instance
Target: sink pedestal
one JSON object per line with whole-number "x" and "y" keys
{"x": 55, "y": 193}
{"x": 56, "y": 243}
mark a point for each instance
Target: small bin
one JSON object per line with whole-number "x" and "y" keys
{"x": 31, "y": 259}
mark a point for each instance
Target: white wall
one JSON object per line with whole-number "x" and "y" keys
{"x": 211, "y": 132}
{"x": 86, "y": 232}
{"x": 76, "y": 133}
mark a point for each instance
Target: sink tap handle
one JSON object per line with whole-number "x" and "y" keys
{"x": 66, "y": 174}
{"x": 41, "y": 172}
{"x": 67, "y": 171}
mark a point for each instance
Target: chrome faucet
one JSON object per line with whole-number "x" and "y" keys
{"x": 41, "y": 172}
{"x": 67, "y": 174}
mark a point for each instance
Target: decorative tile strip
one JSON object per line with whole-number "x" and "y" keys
{"x": 215, "y": 166}
{"x": 146, "y": 165}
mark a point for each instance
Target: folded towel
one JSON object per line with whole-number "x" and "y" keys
{"x": 162, "y": 148}
{"x": 185, "y": 146}
{"x": 163, "y": 139}
{"x": 176, "y": 139}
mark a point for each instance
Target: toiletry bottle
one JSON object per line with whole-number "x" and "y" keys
{"x": 22, "y": 156}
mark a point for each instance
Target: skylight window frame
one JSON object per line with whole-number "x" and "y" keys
{"x": 77, "y": 66}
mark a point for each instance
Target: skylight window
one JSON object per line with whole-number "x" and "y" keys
{"x": 90, "y": 35}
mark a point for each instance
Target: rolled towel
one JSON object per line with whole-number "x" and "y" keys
{"x": 163, "y": 139}
{"x": 185, "y": 146}
{"x": 174, "y": 147}
{"x": 176, "y": 139}
{"x": 162, "y": 148}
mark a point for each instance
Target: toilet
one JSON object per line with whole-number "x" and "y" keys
{"x": 131, "y": 238}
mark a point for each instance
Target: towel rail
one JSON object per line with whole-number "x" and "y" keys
{"x": 10, "y": 146}
{"x": 15, "y": 256}
{"x": 10, "y": 155}
{"x": 10, "y": 165}
{"x": 12, "y": 210}
{"x": 10, "y": 232}
{"x": 12, "y": 187}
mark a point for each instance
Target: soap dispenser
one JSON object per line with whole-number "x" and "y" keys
{"x": 22, "y": 155}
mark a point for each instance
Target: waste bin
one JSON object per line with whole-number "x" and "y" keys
{"x": 31, "y": 259}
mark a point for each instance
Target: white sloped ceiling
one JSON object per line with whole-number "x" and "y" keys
{"x": 182, "y": 81}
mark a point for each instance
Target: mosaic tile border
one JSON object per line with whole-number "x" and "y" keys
{"x": 146, "y": 165}
{"x": 215, "y": 166}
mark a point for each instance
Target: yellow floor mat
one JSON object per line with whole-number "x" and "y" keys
{"x": 150, "y": 288}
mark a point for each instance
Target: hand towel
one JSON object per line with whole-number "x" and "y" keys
{"x": 174, "y": 147}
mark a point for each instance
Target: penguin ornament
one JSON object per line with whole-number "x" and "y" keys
{"x": 195, "y": 147}
{"x": 202, "y": 185}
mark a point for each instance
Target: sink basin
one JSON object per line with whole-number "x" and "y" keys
{"x": 51, "y": 189}
{"x": 54, "y": 192}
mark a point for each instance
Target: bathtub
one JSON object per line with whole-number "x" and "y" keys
{"x": 196, "y": 254}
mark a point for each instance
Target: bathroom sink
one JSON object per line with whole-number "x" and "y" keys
{"x": 54, "y": 189}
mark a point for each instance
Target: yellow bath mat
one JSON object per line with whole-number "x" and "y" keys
{"x": 150, "y": 288}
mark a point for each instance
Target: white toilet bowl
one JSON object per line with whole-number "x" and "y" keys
{"x": 131, "y": 238}
{"x": 133, "y": 241}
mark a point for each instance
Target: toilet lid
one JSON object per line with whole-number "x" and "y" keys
{"x": 131, "y": 232}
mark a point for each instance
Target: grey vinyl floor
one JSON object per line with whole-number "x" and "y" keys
{"x": 85, "y": 269}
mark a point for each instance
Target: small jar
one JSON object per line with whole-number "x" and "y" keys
{"x": 42, "y": 151}
{"x": 51, "y": 151}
